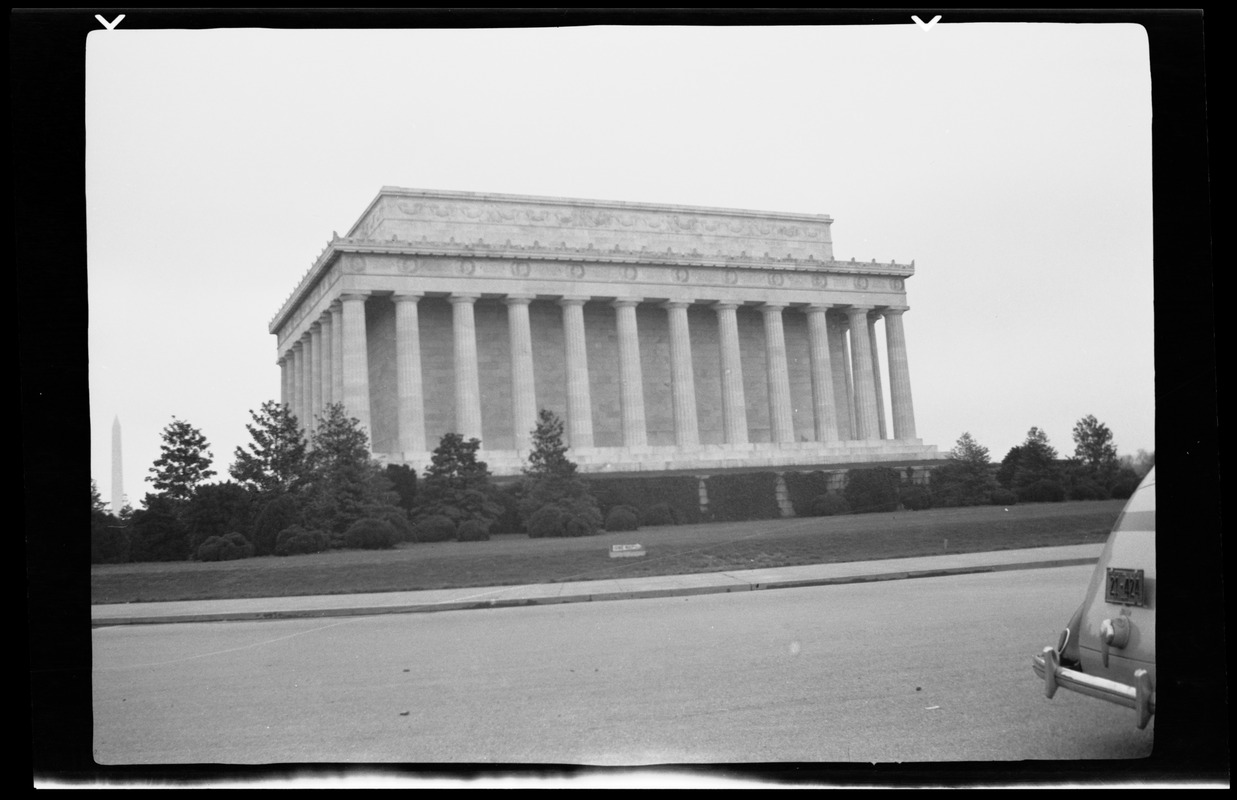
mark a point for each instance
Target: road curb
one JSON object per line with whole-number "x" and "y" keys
{"x": 634, "y": 594}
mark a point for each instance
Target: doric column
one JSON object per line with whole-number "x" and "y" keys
{"x": 682, "y": 379}
{"x": 315, "y": 368}
{"x": 734, "y": 408}
{"x": 876, "y": 373}
{"x": 307, "y": 382}
{"x": 523, "y": 388}
{"x": 285, "y": 369}
{"x": 579, "y": 401}
{"x": 297, "y": 385}
{"x": 865, "y": 386}
{"x": 841, "y": 380}
{"x": 781, "y": 419}
{"x": 356, "y": 361}
{"x": 337, "y": 352}
{"x": 631, "y": 379}
{"x": 899, "y": 376}
{"x": 328, "y": 362}
{"x": 409, "y": 391}
{"x": 823, "y": 398}
{"x": 467, "y": 378}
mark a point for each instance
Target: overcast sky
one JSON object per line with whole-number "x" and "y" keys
{"x": 1011, "y": 162}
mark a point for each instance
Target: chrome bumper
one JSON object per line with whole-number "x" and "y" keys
{"x": 1140, "y": 696}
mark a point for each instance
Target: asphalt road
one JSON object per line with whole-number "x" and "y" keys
{"x": 934, "y": 669}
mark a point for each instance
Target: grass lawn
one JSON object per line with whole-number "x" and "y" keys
{"x": 516, "y": 559}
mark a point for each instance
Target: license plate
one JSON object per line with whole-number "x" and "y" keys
{"x": 1124, "y": 586}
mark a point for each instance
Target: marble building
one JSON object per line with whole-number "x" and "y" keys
{"x": 665, "y": 336}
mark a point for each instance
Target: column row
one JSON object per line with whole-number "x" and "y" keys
{"x": 330, "y": 364}
{"x": 329, "y": 356}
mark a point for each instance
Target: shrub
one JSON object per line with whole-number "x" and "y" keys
{"x": 156, "y": 532}
{"x": 398, "y": 520}
{"x": 473, "y": 530}
{"x": 109, "y": 539}
{"x": 1042, "y": 492}
{"x": 803, "y": 488}
{"x": 278, "y": 515}
{"x": 295, "y": 540}
{"x": 743, "y": 496}
{"x": 403, "y": 480}
{"x": 829, "y": 505}
{"x": 1124, "y": 487}
{"x": 1003, "y": 497}
{"x": 1087, "y": 490}
{"x": 508, "y": 499}
{"x": 435, "y": 528}
{"x": 680, "y": 492}
{"x": 546, "y": 522}
{"x": 370, "y": 534}
{"x": 230, "y": 547}
{"x": 660, "y": 514}
{"x": 622, "y": 518}
{"x": 583, "y": 517}
{"x": 568, "y": 517}
{"x": 961, "y": 483}
{"x": 871, "y": 490}
{"x": 915, "y": 497}
{"x": 215, "y": 510}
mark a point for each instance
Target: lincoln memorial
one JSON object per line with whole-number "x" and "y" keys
{"x": 666, "y": 337}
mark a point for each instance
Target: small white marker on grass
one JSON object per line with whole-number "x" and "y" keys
{"x": 626, "y": 550}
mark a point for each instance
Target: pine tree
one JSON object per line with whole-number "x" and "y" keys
{"x": 344, "y": 483}
{"x": 185, "y": 462}
{"x": 96, "y": 502}
{"x": 548, "y": 457}
{"x": 969, "y": 451}
{"x": 276, "y": 458}
{"x": 551, "y": 479}
{"x": 456, "y": 484}
{"x": 1036, "y": 464}
{"x": 966, "y": 480}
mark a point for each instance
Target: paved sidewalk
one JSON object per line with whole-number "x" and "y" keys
{"x": 588, "y": 591}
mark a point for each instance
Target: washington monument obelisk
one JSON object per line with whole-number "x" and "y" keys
{"x": 118, "y": 478}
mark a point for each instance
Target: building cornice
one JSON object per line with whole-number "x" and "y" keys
{"x": 339, "y": 246}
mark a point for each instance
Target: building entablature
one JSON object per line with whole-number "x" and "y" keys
{"x": 409, "y": 222}
{"x": 375, "y": 272}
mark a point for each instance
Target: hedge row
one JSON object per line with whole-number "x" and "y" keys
{"x": 803, "y": 488}
{"x": 679, "y": 493}
{"x": 743, "y": 496}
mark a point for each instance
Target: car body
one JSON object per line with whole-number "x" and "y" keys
{"x": 1108, "y": 648}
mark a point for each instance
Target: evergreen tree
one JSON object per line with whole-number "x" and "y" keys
{"x": 1009, "y": 466}
{"x": 456, "y": 484}
{"x": 548, "y": 456}
{"x": 185, "y": 462}
{"x": 96, "y": 501}
{"x": 217, "y": 509}
{"x": 276, "y": 458}
{"x": 157, "y": 532}
{"x": 1036, "y": 464}
{"x": 550, "y": 479}
{"x": 403, "y": 480}
{"x": 344, "y": 484}
{"x": 969, "y": 451}
{"x": 966, "y": 480}
{"x": 109, "y": 539}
